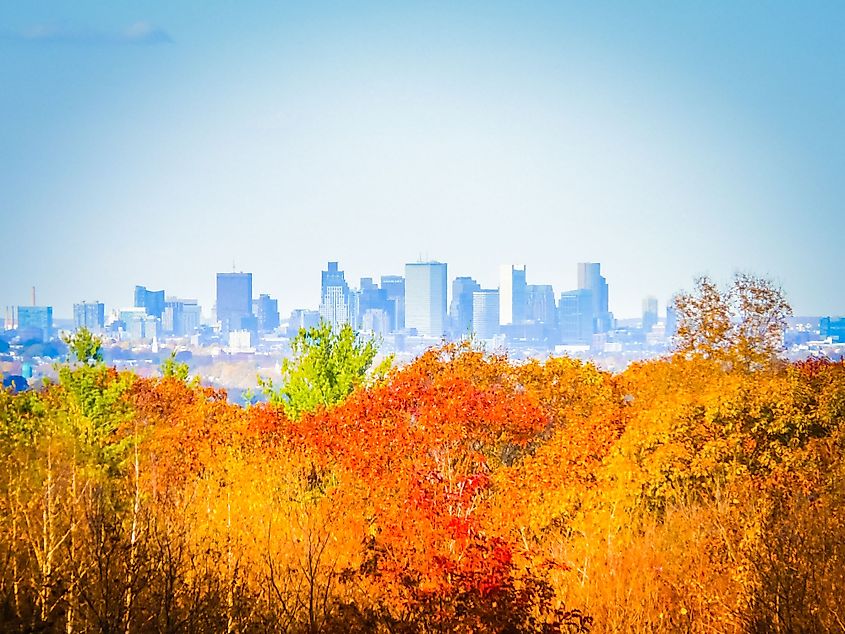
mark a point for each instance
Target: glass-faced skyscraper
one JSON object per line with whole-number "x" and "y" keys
{"x": 460, "y": 310}
{"x": 485, "y": 313}
{"x": 234, "y": 300}
{"x": 591, "y": 279}
{"x": 90, "y": 315}
{"x": 150, "y": 301}
{"x": 425, "y": 298}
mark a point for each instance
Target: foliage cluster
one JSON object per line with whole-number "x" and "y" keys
{"x": 462, "y": 492}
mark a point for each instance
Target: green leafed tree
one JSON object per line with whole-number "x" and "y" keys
{"x": 172, "y": 368}
{"x": 326, "y": 365}
{"x": 84, "y": 347}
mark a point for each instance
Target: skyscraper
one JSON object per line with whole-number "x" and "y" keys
{"x": 575, "y": 316}
{"x": 649, "y": 313}
{"x": 90, "y": 315}
{"x": 542, "y": 308}
{"x": 425, "y": 298}
{"x": 234, "y": 300}
{"x": 267, "y": 312}
{"x": 460, "y": 309}
{"x": 485, "y": 313}
{"x": 181, "y": 316}
{"x": 512, "y": 294}
{"x": 394, "y": 288}
{"x": 371, "y": 297}
{"x": 38, "y": 319}
{"x": 590, "y": 278}
{"x": 336, "y": 301}
{"x": 151, "y": 301}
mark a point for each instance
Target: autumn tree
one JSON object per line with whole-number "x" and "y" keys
{"x": 326, "y": 366}
{"x": 742, "y": 323}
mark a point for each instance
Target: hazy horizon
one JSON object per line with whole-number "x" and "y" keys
{"x": 156, "y": 143}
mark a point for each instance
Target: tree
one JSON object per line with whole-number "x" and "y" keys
{"x": 743, "y": 323}
{"x": 325, "y": 368}
{"x": 171, "y": 368}
{"x": 84, "y": 347}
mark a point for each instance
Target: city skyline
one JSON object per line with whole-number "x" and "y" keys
{"x": 495, "y": 278}
{"x": 148, "y": 142}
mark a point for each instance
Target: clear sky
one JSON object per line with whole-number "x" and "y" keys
{"x": 156, "y": 142}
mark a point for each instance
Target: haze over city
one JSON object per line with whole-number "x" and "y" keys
{"x": 156, "y": 143}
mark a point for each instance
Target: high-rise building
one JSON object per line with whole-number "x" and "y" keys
{"x": 542, "y": 308}
{"x": 649, "y": 313}
{"x": 591, "y": 279}
{"x": 425, "y": 298}
{"x": 138, "y": 325}
{"x": 512, "y": 294}
{"x": 90, "y": 315}
{"x": 575, "y": 316}
{"x": 394, "y": 288}
{"x": 671, "y": 320}
{"x": 485, "y": 313}
{"x": 460, "y": 308}
{"x": 337, "y": 303}
{"x": 234, "y": 300}
{"x": 181, "y": 316}
{"x": 38, "y": 319}
{"x": 151, "y": 301}
{"x": 371, "y": 297}
{"x": 267, "y": 312}
{"x": 833, "y": 328}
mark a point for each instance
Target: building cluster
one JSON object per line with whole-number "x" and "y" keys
{"x": 407, "y": 312}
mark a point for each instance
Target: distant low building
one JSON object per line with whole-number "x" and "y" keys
{"x": 301, "y": 318}
{"x": 138, "y": 325}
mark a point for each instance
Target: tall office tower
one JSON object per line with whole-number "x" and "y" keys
{"x": 512, "y": 294}
{"x": 336, "y": 301}
{"x": 394, "y": 287}
{"x": 150, "y": 301}
{"x": 542, "y": 308}
{"x": 671, "y": 319}
{"x": 649, "y": 313}
{"x": 267, "y": 312}
{"x": 234, "y": 301}
{"x": 90, "y": 315}
{"x": 485, "y": 313}
{"x": 425, "y": 298}
{"x": 371, "y": 297}
{"x": 575, "y": 317}
{"x": 37, "y": 319}
{"x": 460, "y": 309}
{"x": 181, "y": 316}
{"x": 590, "y": 278}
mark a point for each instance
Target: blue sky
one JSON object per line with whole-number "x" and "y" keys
{"x": 157, "y": 142}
